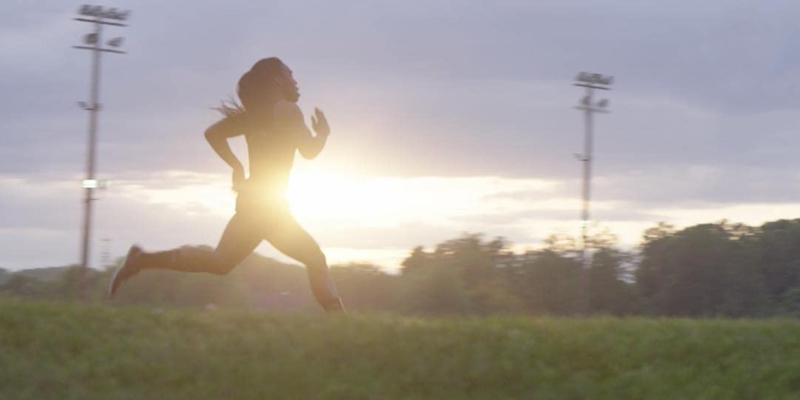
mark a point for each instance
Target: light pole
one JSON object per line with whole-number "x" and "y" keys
{"x": 98, "y": 16}
{"x": 587, "y": 104}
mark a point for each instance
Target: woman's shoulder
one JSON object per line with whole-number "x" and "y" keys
{"x": 243, "y": 122}
{"x": 287, "y": 110}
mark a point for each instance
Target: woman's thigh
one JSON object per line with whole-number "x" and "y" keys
{"x": 241, "y": 236}
{"x": 288, "y": 237}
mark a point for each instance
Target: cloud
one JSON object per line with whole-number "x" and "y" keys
{"x": 473, "y": 89}
{"x": 701, "y": 186}
{"x": 704, "y": 114}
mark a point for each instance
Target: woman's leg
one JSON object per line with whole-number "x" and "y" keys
{"x": 239, "y": 239}
{"x": 291, "y": 239}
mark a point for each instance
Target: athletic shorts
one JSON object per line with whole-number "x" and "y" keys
{"x": 262, "y": 203}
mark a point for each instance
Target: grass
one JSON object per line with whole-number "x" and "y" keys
{"x": 64, "y": 351}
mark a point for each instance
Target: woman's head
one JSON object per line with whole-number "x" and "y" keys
{"x": 268, "y": 81}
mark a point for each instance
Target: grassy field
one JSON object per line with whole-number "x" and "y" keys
{"x": 58, "y": 351}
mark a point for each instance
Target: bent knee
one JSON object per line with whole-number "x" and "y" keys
{"x": 316, "y": 259}
{"x": 221, "y": 266}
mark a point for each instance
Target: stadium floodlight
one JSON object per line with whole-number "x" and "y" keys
{"x": 99, "y": 16}
{"x": 102, "y": 16}
{"x": 116, "y": 42}
{"x": 594, "y": 79}
{"x": 100, "y": 12}
{"x": 90, "y": 38}
{"x": 96, "y": 184}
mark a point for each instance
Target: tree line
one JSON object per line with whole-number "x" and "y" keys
{"x": 708, "y": 270}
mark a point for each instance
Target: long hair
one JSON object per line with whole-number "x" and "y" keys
{"x": 256, "y": 88}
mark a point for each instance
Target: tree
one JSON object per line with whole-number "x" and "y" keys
{"x": 415, "y": 262}
{"x": 365, "y": 287}
{"x": 548, "y": 281}
{"x": 704, "y": 270}
{"x": 779, "y": 257}
{"x": 607, "y": 292}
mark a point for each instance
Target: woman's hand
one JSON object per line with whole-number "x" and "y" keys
{"x": 320, "y": 123}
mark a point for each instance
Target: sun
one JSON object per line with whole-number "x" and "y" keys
{"x": 341, "y": 197}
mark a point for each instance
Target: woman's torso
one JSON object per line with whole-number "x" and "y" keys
{"x": 271, "y": 151}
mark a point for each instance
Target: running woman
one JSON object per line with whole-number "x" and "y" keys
{"x": 274, "y": 129}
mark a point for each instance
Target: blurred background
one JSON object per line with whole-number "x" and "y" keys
{"x": 449, "y": 120}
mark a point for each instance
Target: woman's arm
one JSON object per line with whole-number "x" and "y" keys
{"x": 217, "y": 136}
{"x": 314, "y": 145}
{"x": 309, "y": 146}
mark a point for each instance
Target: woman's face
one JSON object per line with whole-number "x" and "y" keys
{"x": 287, "y": 84}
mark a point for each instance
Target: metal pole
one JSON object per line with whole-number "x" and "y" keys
{"x": 94, "y": 108}
{"x": 587, "y": 169}
{"x": 98, "y": 16}
{"x": 590, "y": 82}
{"x": 583, "y": 300}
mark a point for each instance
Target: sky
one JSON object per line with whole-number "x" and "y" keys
{"x": 447, "y": 117}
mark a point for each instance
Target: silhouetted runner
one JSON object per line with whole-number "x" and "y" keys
{"x": 274, "y": 129}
